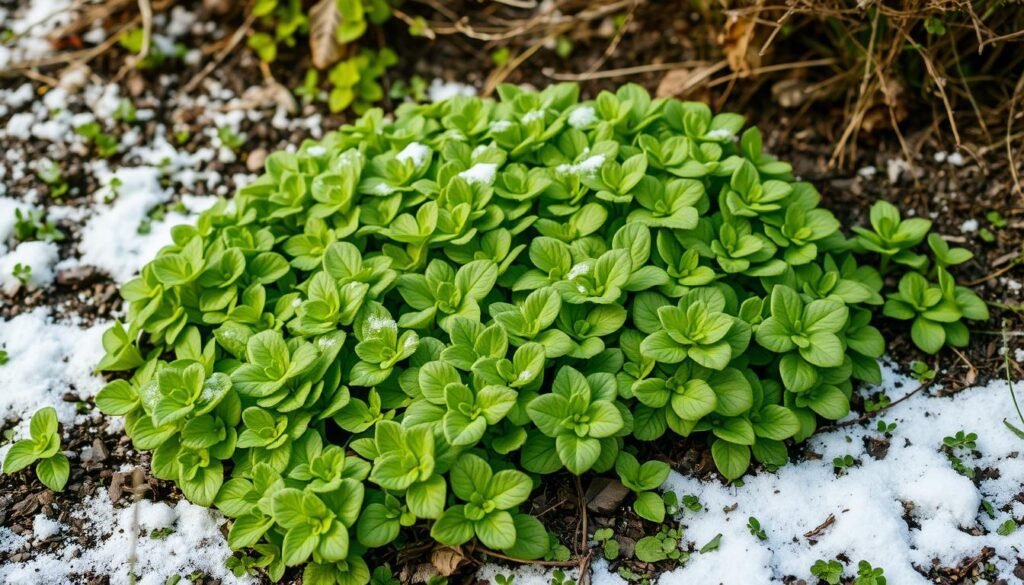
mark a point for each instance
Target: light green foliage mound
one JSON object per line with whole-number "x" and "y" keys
{"x": 410, "y": 322}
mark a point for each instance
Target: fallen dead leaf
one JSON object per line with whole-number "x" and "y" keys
{"x": 423, "y": 573}
{"x": 271, "y": 92}
{"x": 324, "y": 47}
{"x": 447, "y": 559}
{"x": 735, "y": 41}
{"x": 689, "y": 83}
{"x": 674, "y": 83}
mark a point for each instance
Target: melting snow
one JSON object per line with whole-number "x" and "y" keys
{"x": 38, "y": 257}
{"x": 582, "y": 117}
{"x": 415, "y": 152}
{"x": 47, "y": 359}
{"x": 480, "y": 173}
{"x": 441, "y": 90}
{"x": 194, "y": 543}
{"x": 587, "y": 166}
{"x": 868, "y": 502}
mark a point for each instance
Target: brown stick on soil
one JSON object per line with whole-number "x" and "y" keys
{"x": 583, "y": 513}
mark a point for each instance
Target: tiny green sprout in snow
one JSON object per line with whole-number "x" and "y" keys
{"x": 754, "y": 526}
{"x": 921, "y": 371}
{"x": 886, "y": 428}
{"x": 844, "y": 462}
{"x": 961, "y": 440}
{"x": 830, "y": 571}
{"x": 868, "y": 575}
{"x": 558, "y": 577}
{"x": 22, "y": 272}
{"x": 1007, "y": 528}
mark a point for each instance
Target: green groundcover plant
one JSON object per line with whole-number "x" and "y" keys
{"x": 410, "y": 322}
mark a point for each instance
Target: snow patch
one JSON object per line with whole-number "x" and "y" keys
{"x": 415, "y": 152}
{"x": 47, "y": 359}
{"x": 441, "y": 90}
{"x": 43, "y": 527}
{"x": 480, "y": 173}
{"x": 582, "y": 117}
{"x": 38, "y": 258}
{"x": 587, "y": 166}
{"x": 194, "y": 544}
{"x": 110, "y": 240}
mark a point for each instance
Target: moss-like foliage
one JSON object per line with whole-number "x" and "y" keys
{"x": 410, "y": 321}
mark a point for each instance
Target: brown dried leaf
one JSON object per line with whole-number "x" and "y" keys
{"x": 447, "y": 559}
{"x": 324, "y": 20}
{"x": 217, "y": 6}
{"x": 735, "y": 41}
{"x": 675, "y": 83}
{"x": 270, "y": 92}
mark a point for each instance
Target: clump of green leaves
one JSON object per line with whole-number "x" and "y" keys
{"x": 605, "y": 538}
{"x": 331, "y": 27}
{"x": 921, "y": 371}
{"x": 665, "y": 545}
{"x": 50, "y": 173}
{"x": 106, "y": 145}
{"x": 843, "y": 462}
{"x": 42, "y": 449}
{"x": 868, "y": 575}
{"x": 355, "y": 81}
{"x": 937, "y": 310}
{"x": 643, "y": 479}
{"x": 22, "y": 272}
{"x": 830, "y": 571}
{"x": 957, "y": 447}
{"x": 409, "y": 323}
{"x": 33, "y": 225}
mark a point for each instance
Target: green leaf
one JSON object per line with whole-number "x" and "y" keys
{"x": 776, "y": 422}
{"x": 426, "y": 499}
{"x": 732, "y": 460}
{"x": 532, "y": 540}
{"x": 20, "y": 455}
{"x": 695, "y": 400}
{"x": 797, "y": 374}
{"x": 496, "y": 530}
{"x": 453, "y": 528}
{"x": 470, "y": 475}
{"x": 247, "y": 530}
{"x": 377, "y": 526}
{"x": 829, "y": 402}
{"x": 299, "y": 543}
{"x": 927, "y": 335}
{"x": 54, "y": 472}
{"x": 650, "y": 506}
{"x": 578, "y": 454}
{"x": 735, "y": 430}
{"x": 508, "y": 488}
{"x": 117, "y": 398}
